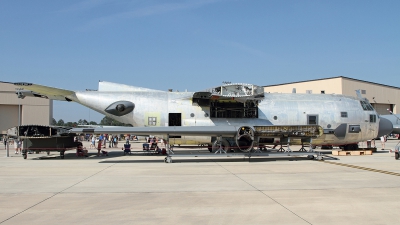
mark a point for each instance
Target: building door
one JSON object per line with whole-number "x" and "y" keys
{"x": 382, "y": 109}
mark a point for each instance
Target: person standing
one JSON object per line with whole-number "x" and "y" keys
{"x": 116, "y": 141}
{"x": 18, "y": 148}
{"x": 383, "y": 140}
{"x": 105, "y": 141}
{"x": 93, "y": 142}
{"x": 110, "y": 141}
{"x": 5, "y": 141}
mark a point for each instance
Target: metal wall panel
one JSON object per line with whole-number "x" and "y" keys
{"x": 33, "y": 110}
{"x": 382, "y": 108}
{"x": 329, "y": 86}
{"x": 8, "y": 117}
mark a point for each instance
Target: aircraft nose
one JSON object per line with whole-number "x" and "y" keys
{"x": 385, "y": 127}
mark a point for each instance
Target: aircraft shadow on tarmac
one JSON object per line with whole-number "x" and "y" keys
{"x": 138, "y": 158}
{"x": 207, "y": 160}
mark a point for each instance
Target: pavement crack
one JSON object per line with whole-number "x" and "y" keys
{"x": 263, "y": 193}
{"x": 57, "y": 193}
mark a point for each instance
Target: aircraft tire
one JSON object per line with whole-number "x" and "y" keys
{"x": 396, "y": 155}
{"x": 311, "y": 157}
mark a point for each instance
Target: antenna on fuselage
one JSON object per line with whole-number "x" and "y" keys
{"x": 393, "y": 114}
{"x": 358, "y": 92}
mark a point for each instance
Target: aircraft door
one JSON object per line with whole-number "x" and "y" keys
{"x": 175, "y": 119}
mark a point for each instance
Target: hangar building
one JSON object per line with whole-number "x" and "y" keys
{"x": 38, "y": 111}
{"x": 381, "y": 97}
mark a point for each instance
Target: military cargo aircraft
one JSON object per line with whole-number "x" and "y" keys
{"x": 232, "y": 115}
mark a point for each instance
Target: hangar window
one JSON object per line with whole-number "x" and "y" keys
{"x": 343, "y": 114}
{"x": 152, "y": 121}
{"x": 372, "y": 118}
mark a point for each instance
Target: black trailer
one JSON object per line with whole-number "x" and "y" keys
{"x": 39, "y": 138}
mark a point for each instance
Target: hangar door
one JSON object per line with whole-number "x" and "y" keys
{"x": 381, "y": 109}
{"x": 8, "y": 117}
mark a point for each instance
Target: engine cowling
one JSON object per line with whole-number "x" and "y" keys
{"x": 245, "y": 138}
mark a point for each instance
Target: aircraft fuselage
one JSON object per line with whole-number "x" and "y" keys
{"x": 165, "y": 108}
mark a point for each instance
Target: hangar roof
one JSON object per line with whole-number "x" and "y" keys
{"x": 333, "y": 78}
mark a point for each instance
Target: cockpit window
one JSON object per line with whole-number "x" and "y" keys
{"x": 372, "y": 118}
{"x": 366, "y": 106}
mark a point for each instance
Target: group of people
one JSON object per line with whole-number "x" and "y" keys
{"x": 17, "y": 144}
{"x": 102, "y": 141}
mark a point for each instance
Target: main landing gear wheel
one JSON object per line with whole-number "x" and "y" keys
{"x": 396, "y": 155}
{"x": 168, "y": 159}
{"x": 311, "y": 157}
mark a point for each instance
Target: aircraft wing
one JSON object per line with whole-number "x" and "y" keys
{"x": 173, "y": 130}
{"x": 299, "y": 131}
{"x": 35, "y": 90}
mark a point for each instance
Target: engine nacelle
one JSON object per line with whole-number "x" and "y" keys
{"x": 120, "y": 108}
{"x": 245, "y": 138}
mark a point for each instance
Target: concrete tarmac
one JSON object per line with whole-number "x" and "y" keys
{"x": 142, "y": 189}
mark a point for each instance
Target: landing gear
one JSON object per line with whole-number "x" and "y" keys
{"x": 326, "y": 147}
{"x": 396, "y": 155}
{"x": 311, "y": 157}
{"x": 62, "y": 154}
{"x": 350, "y": 147}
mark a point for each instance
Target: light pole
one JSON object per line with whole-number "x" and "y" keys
{"x": 20, "y": 96}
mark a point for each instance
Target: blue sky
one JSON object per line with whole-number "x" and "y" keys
{"x": 195, "y": 45}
